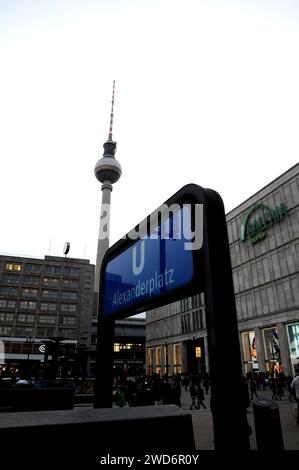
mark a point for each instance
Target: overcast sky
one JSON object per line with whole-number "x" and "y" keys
{"x": 206, "y": 92}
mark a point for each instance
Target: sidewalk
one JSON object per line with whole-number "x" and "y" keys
{"x": 203, "y": 424}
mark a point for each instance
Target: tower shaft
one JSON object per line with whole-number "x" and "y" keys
{"x": 103, "y": 237}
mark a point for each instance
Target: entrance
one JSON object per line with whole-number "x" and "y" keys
{"x": 196, "y": 362}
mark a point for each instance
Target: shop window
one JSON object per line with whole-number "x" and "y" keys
{"x": 293, "y": 337}
{"x": 249, "y": 351}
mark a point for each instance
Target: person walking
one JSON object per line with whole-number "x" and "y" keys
{"x": 295, "y": 387}
{"x": 253, "y": 387}
{"x": 192, "y": 391}
{"x": 200, "y": 397}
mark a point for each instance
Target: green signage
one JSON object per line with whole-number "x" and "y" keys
{"x": 254, "y": 229}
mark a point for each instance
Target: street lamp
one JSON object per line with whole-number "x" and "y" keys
{"x": 28, "y": 341}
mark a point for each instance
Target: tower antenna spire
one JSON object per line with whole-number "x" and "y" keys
{"x": 111, "y": 114}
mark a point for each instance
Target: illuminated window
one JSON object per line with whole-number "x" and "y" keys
{"x": 117, "y": 347}
{"x": 158, "y": 356}
{"x": 150, "y": 357}
{"x": 29, "y": 293}
{"x": 197, "y": 352}
{"x": 6, "y": 316}
{"x": 28, "y": 305}
{"x": 177, "y": 354}
{"x": 13, "y": 267}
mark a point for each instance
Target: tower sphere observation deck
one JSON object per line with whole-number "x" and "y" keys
{"x": 108, "y": 168}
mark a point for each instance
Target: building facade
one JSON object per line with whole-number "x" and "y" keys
{"x": 42, "y": 299}
{"x": 263, "y": 235}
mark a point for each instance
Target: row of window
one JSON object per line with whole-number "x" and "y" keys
{"x": 36, "y": 281}
{"x": 33, "y": 293}
{"x": 192, "y": 302}
{"x": 44, "y": 307}
{"x": 192, "y": 321}
{"x": 38, "y": 269}
{"x": 50, "y": 319}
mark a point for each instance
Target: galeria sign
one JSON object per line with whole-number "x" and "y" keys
{"x": 254, "y": 229}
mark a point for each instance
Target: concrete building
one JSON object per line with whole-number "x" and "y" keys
{"x": 41, "y": 299}
{"x": 263, "y": 236}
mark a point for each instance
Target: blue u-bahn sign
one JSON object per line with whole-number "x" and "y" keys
{"x": 157, "y": 263}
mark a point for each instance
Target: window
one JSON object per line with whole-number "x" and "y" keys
{"x": 47, "y": 319}
{"x": 74, "y": 272}
{"x": 21, "y": 318}
{"x": 28, "y": 305}
{"x": 45, "y": 307}
{"x": 70, "y": 321}
{"x": 70, "y": 283}
{"x": 5, "y": 330}
{"x": 10, "y": 279}
{"x": 6, "y": 317}
{"x": 68, "y": 308}
{"x": 32, "y": 268}
{"x": 11, "y": 291}
{"x": 158, "y": 356}
{"x": 31, "y": 281}
{"x": 13, "y": 267}
{"x": 46, "y": 331}
{"x": 50, "y": 294}
{"x": 73, "y": 296}
{"x": 23, "y": 331}
{"x": 51, "y": 281}
{"x": 7, "y": 303}
{"x": 52, "y": 270}
{"x": 177, "y": 355}
{"x": 27, "y": 293}
{"x": 30, "y": 318}
{"x": 197, "y": 320}
{"x": 185, "y": 323}
{"x": 150, "y": 352}
{"x": 293, "y": 337}
{"x": 271, "y": 344}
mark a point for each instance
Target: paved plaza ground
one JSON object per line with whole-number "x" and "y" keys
{"x": 203, "y": 426}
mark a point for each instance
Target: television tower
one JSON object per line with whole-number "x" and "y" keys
{"x": 107, "y": 171}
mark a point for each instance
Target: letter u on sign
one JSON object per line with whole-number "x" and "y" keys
{"x": 138, "y": 269}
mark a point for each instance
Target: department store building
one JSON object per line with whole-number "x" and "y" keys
{"x": 263, "y": 235}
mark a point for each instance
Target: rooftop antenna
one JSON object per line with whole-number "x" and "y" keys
{"x": 111, "y": 114}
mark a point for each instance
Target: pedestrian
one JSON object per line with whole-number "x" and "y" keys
{"x": 253, "y": 387}
{"x": 193, "y": 394}
{"x": 200, "y": 397}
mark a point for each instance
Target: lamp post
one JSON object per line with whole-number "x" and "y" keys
{"x": 28, "y": 341}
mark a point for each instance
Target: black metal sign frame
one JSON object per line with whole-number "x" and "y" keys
{"x": 213, "y": 276}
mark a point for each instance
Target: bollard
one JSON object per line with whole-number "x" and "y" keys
{"x": 267, "y": 425}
